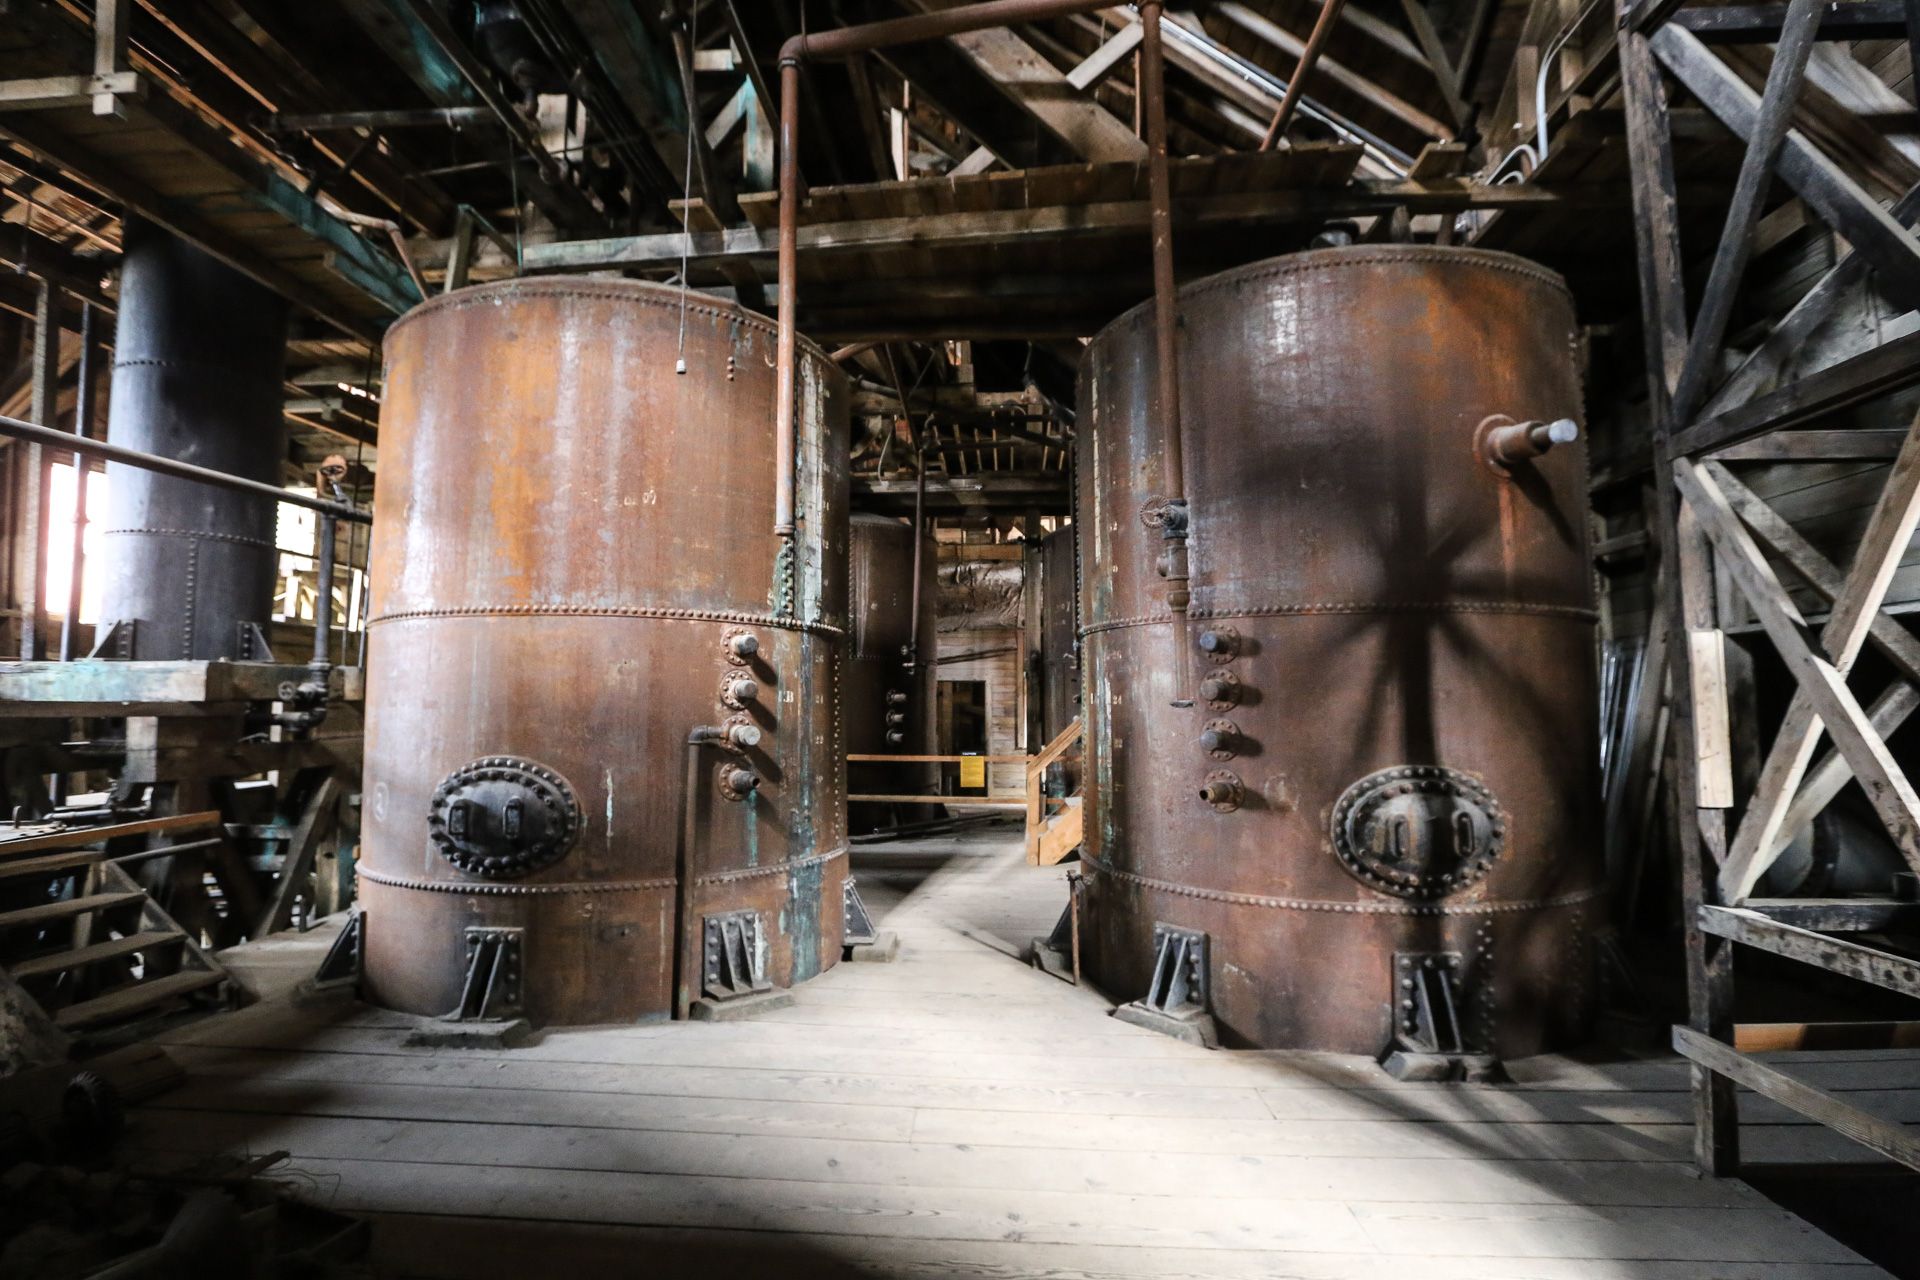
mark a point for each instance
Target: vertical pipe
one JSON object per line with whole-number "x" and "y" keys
{"x": 788, "y": 296}
{"x": 1308, "y": 56}
{"x": 685, "y": 955}
{"x": 919, "y": 537}
{"x": 46, "y": 407}
{"x": 323, "y": 593}
{"x": 1166, "y": 321}
{"x": 82, "y": 427}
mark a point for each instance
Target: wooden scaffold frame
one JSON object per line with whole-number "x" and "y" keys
{"x": 1710, "y": 524}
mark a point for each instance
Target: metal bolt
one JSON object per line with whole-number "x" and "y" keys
{"x": 743, "y": 735}
{"x": 743, "y": 689}
{"x": 744, "y": 645}
{"x": 1214, "y": 642}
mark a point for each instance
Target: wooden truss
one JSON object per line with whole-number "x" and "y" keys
{"x": 1712, "y": 527}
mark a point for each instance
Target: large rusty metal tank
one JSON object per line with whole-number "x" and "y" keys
{"x": 1389, "y": 764}
{"x": 574, "y": 567}
{"x": 887, "y": 707}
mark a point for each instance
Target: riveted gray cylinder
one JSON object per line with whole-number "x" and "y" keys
{"x": 199, "y": 367}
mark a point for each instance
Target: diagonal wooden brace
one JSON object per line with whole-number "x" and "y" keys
{"x": 1825, "y": 688}
{"x": 1825, "y": 779}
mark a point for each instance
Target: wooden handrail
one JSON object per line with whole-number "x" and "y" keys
{"x": 1055, "y": 749}
{"x": 867, "y": 759}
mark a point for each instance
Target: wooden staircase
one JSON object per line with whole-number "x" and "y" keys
{"x": 1052, "y": 836}
{"x": 85, "y": 941}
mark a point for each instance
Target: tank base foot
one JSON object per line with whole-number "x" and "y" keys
{"x": 1474, "y": 1068}
{"x": 504, "y": 1033}
{"x": 739, "y": 1007}
{"x": 1047, "y": 958}
{"x": 1195, "y": 1027}
{"x": 882, "y": 950}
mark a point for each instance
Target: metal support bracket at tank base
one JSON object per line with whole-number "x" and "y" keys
{"x": 488, "y": 1015}
{"x": 1178, "y": 1001}
{"x": 733, "y": 969}
{"x": 1431, "y": 1014}
{"x": 1059, "y": 952}
{"x": 337, "y": 980}
{"x": 860, "y": 941}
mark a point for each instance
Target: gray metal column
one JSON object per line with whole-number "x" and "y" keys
{"x": 198, "y": 375}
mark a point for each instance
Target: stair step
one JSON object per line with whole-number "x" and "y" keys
{"x": 49, "y": 912}
{"x": 55, "y": 862}
{"x": 113, "y": 948}
{"x": 132, "y": 999}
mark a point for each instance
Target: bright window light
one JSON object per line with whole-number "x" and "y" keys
{"x": 60, "y": 543}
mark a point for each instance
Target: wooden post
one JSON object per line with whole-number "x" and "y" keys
{"x": 1663, "y": 308}
{"x": 36, "y": 495}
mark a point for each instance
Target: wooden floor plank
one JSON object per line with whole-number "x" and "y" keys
{"x": 956, "y": 1113}
{"x": 436, "y": 1248}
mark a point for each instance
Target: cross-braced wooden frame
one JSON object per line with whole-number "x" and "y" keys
{"x": 1712, "y": 524}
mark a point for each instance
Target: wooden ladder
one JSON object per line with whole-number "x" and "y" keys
{"x": 1051, "y": 837}
{"x": 81, "y": 938}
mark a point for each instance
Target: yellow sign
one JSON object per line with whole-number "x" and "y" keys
{"x": 973, "y": 772}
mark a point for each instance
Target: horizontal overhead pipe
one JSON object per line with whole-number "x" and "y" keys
{"x": 65, "y": 443}
{"x": 841, "y": 43}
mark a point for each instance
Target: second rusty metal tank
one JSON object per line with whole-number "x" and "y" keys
{"x": 1388, "y": 768}
{"x": 887, "y": 705}
{"x": 574, "y": 566}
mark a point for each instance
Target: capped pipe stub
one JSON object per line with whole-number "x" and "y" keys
{"x": 503, "y": 817}
{"x": 741, "y": 646}
{"x": 1222, "y": 644}
{"x": 1502, "y": 443}
{"x": 739, "y": 690}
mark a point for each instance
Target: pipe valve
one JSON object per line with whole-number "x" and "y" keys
{"x": 743, "y": 645}
{"x": 896, "y": 738}
{"x": 1504, "y": 442}
{"x": 1221, "y": 689}
{"x": 743, "y": 736}
{"x": 1219, "y": 643}
{"x": 896, "y": 697}
{"x": 739, "y": 691}
{"x": 896, "y": 717}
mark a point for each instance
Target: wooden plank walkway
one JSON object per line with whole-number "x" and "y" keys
{"x": 955, "y": 1113}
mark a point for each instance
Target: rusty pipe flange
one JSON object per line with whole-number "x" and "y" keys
{"x": 738, "y": 690}
{"x": 1221, "y": 644}
{"x": 739, "y": 644}
{"x": 734, "y": 780}
{"x": 503, "y": 817}
{"x": 1221, "y": 690}
{"x": 1418, "y": 831}
{"x": 1220, "y": 739}
{"x": 1223, "y": 790}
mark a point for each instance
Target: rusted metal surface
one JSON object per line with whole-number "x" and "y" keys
{"x": 883, "y": 698}
{"x": 571, "y": 543}
{"x": 1372, "y": 597}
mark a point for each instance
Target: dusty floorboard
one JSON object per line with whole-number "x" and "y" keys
{"x": 956, "y": 1113}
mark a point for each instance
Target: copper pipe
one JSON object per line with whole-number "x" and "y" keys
{"x": 788, "y": 294}
{"x": 1329, "y": 14}
{"x": 840, "y": 43}
{"x": 844, "y": 41}
{"x": 1153, "y": 99}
